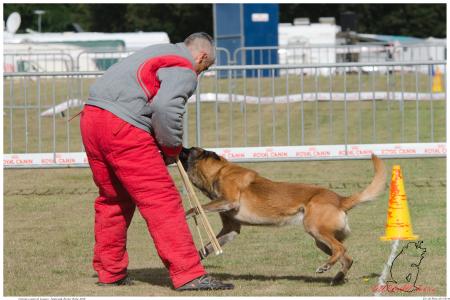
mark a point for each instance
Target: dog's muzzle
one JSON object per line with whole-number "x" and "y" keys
{"x": 184, "y": 156}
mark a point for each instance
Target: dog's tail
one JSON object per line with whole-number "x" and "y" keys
{"x": 373, "y": 190}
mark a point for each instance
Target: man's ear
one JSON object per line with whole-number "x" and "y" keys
{"x": 201, "y": 57}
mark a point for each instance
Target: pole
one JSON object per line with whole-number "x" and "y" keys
{"x": 387, "y": 266}
{"x": 39, "y": 13}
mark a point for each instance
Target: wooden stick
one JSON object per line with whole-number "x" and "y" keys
{"x": 196, "y": 225}
{"x": 199, "y": 209}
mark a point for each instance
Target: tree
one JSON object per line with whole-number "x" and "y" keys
{"x": 419, "y": 20}
{"x": 57, "y": 17}
{"x": 178, "y": 20}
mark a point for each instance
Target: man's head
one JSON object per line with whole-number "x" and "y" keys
{"x": 201, "y": 46}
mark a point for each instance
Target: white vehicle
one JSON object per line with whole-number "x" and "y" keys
{"x": 36, "y": 57}
{"x": 130, "y": 40}
{"x": 69, "y": 51}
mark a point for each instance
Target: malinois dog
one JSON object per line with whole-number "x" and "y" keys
{"x": 242, "y": 197}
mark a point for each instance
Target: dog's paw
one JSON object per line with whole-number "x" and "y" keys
{"x": 323, "y": 268}
{"x": 338, "y": 279}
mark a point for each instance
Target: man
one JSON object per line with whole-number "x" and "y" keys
{"x": 135, "y": 110}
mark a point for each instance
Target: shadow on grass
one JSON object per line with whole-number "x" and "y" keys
{"x": 153, "y": 276}
{"x": 249, "y": 277}
{"x": 160, "y": 277}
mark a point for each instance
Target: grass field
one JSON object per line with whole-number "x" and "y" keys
{"x": 48, "y": 237}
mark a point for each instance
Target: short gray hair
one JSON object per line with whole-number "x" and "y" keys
{"x": 201, "y": 41}
{"x": 199, "y": 35}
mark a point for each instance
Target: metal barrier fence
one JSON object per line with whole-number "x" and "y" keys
{"x": 84, "y": 61}
{"x": 38, "y": 62}
{"x": 355, "y": 103}
{"x": 106, "y": 58}
{"x": 37, "y": 108}
{"x": 362, "y": 52}
{"x": 99, "y": 60}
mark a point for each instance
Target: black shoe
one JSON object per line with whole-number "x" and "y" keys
{"x": 124, "y": 281}
{"x": 205, "y": 282}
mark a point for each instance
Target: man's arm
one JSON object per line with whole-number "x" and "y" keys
{"x": 177, "y": 84}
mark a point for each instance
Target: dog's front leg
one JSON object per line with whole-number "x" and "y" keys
{"x": 222, "y": 241}
{"x": 231, "y": 228}
{"x": 214, "y": 206}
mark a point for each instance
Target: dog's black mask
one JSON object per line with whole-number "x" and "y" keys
{"x": 189, "y": 156}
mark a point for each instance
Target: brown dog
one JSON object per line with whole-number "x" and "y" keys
{"x": 242, "y": 197}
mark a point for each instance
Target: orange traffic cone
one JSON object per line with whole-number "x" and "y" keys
{"x": 437, "y": 81}
{"x": 398, "y": 225}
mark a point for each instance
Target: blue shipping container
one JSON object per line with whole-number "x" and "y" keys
{"x": 239, "y": 26}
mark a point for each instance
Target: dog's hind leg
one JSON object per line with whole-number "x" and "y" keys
{"x": 337, "y": 250}
{"x": 346, "y": 262}
{"x": 323, "y": 247}
{"x": 337, "y": 254}
{"x": 323, "y": 222}
{"x": 230, "y": 230}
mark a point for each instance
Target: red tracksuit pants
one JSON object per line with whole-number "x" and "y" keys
{"x": 129, "y": 171}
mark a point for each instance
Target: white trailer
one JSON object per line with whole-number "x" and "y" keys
{"x": 37, "y": 57}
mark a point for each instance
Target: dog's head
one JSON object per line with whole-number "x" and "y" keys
{"x": 202, "y": 166}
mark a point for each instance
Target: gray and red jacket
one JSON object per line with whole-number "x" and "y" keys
{"x": 149, "y": 90}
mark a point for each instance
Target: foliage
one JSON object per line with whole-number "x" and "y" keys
{"x": 419, "y": 20}
{"x": 178, "y": 20}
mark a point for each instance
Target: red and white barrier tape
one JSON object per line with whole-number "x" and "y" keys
{"x": 279, "y": 153}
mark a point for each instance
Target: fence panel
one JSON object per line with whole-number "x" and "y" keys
{"x": 100, "y": 60}
{"x": 38, "y": 62}
{"x": 327, "y": 54}
{"x": 223, "y": 56}
{"x": 354, "y": 103}
{"x": 37, "y": 109}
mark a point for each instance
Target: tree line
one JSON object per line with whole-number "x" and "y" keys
{"x": 179, "y": 20}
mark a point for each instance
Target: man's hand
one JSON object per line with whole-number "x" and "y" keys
{"x": 168, "y": 160}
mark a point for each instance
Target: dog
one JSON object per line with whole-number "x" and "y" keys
{"x": 242, "y": 197}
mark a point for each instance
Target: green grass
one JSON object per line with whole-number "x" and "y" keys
{"x": 48, "y": 236}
